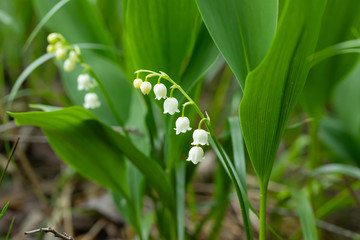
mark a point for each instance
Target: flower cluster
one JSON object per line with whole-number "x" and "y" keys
{"x": 171, "y": 106}
{"x": 62, "y": 50}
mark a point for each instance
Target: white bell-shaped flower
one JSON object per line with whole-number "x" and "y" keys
{"x": 91, "y": 101}
{"x": 160, "y": 91}
{"x": 196, "y": 155}
{"x": 69, "y": 65}
{"x": 182, "y": 125}
{"x": 171, "y": 106}
{"x": 137, "y": 83}
{"x": 60, "y": 53}
{"x": 201, "y": 137}
{"x": 85, "y": 82}
{"x": 145, "y": 87}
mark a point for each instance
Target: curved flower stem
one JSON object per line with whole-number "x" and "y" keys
{"x": 227, "y": 164}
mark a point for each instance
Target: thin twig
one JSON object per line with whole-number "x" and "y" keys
{"x": 51, "y": 230}
{"x": 9, "y": 159}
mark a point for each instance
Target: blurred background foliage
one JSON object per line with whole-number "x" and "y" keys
{"x": 320, "y": 151}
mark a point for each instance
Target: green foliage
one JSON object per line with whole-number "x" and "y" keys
{"x": 279, "y": 80}
{"x": 325, "y": 75}
{"x": 242, "y": 30}
{"x": 307, "y": 219}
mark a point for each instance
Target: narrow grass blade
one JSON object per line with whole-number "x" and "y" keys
{"x": 337, "y": 169}
{"x": 238, "y": 148}
{"x": 10, "y": 227}
{"x": 306, "y": 215}
{"x": 44, "y": 20}
{"x": 9, "y": 159}
{"x": 4, "y": 210}
{"x": 20, "y": 80}
{"x": 240, "y": 191}
{"x": 180, "y": 200}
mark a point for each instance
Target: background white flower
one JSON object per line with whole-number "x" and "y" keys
{"x": 69, "y": 65}
{"x": 182, "y": 125}
{"x": 91, "y": 101}
{"x": 171, "y": 106}
{"x": 160, "y": 91}
{"x": 196, "y": 155}
{"x": 201, "y": 137}
{"x": 60, "y": 53}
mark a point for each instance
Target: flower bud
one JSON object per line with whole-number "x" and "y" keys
{"x": 91, "y": 101}
{"x": 145, "y": 87}
{"x": 171, "y": 106}
{"x": 69, "y": 65}
{"x": 196, "y": 155}
{"x": 85, "y": 82}
{"x": 137, "y": 82}
{"x": 50, "y": 48}
{"x": 160, "y": 91}
{"x": 73, "y": 56}
{"x": 182, "y": 125}
{"x": 60, "y": 53}
{"x": 201, "y": 137}
{"x": 53, "y": 38}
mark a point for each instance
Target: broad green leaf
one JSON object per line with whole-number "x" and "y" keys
{"x": 242, "y": 31}
{"x": 324, "y": 76}
{"x": 203, "y": 56}
{"x": 272, "y": 89}
{"x": 334, "y": 134}
{"x": 345, "y": 102}
{"x": 307, "y": 218}
{"x": 337, "y": 168}
{"x": 159, "y": 35}
{"x": 94, "y": 149}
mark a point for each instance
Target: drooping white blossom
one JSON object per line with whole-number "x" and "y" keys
{"x": 91, "y": 101}
{"x": 160, "y": 91}
{"x": 182, "y": 125}
{"x": 145, "y": 87}
{"x": 196, "y": 155}
{"x": 171, "y": 105}
{"x": 137, "y": 83}
{"x": 85, "y": 82}
{"x": 201, "y": 137}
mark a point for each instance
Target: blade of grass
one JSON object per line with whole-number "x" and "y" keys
{"x": 306, "y": 215}
{"x": 20, "y": 80}
{"x": 4, "y": 210}
{"x": 180, "y": 200}
{"x": 44, "y": 20}
{"x": 337, "y": 168}
{"x": 10, "y": 227}
{"x": 9, "y": 159}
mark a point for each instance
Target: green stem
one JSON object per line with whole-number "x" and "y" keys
{"x": 263, "y": 196}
